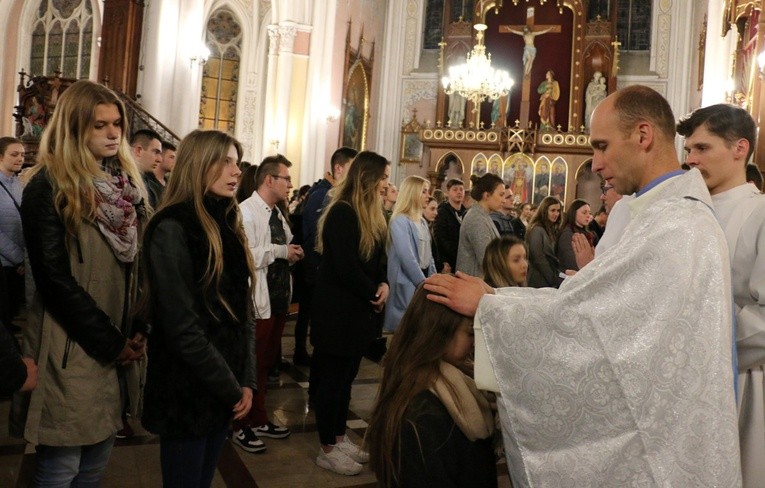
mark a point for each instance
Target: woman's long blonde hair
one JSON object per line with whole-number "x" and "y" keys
{"x": 409, "y": 201}
{"x": 200, "y": 160}
{"x": 359, "y": 190}
{"x": 411, "y": 366}
{"x": 70, "y": 165}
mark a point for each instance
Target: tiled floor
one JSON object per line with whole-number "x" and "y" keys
{"x": 134, "y": 463}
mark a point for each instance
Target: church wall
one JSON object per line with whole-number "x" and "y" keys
{"x": 406, "y": 87}
{"x": 9, "y": 64}
{"x": 367, "y": 17}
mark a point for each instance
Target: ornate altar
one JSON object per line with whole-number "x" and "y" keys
{"x": 539, "y": 144}
{"x": 37, "y": 99}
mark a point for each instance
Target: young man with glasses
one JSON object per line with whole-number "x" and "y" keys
{"x": 269, "y": 238}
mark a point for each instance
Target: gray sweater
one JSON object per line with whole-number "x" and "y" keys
{"x": 476, "y": 232}
{"x": 11, "y": 236}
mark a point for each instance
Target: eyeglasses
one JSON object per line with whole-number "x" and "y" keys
{"x": 288, "y": 179}
{"x": 604, "y": 189}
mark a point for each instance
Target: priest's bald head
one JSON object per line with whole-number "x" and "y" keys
{"x": 632, "y": 135}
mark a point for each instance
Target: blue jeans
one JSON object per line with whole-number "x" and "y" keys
{"x": 190, "y": 462}
{"x": 75, "y": 466}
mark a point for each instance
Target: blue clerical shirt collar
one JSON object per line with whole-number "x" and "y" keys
{"x": 653, "y": 183}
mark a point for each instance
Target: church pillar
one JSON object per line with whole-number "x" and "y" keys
{"x": 121, "y": 44}
{"x": 717, "y": 56}
{"x": 319, "y": 101}
{"x": 392, "y": 69}
{"x": 286, "y": 91}
{"x": 269, "y": 130}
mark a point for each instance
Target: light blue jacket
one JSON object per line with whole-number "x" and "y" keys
{"x": 404, "y": 272}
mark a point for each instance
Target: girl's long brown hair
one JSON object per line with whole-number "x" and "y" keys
{"x": 200, "y": 160}
{"x": 540, "y": 219}
{"x": 411, "y": 366}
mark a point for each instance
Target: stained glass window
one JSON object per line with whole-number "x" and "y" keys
{"x": 220, "y": 77}
{"x": 633, "y": 24}
{"x": 62, "y": 38}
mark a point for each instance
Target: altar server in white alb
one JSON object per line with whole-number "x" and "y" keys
{"x": 623, "y": 376}
{"x": 719, "y": 140}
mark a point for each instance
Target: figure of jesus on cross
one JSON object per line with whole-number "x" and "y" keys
{"x": 529, "y": 50}
{"x": 529, "y": 32}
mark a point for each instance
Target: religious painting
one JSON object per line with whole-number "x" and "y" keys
{"x": 519, "y": 174}
{"x": 411, "y": 146}
{"x": 479, "y": 165}
{"x": 745, "y": 63}
{"x": 541, "y": 180}
{"x": 558, "y": 176}
{"x": 355, "y": 108}
{"x": 495, "y": 164}
{"x": 448, "y": 168}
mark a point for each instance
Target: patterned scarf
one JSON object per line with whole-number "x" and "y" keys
{"x": 118, "y": 205}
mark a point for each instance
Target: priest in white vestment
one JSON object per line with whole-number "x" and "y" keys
{"x": 622, "y": 376}
{"x": 719, "y": 141}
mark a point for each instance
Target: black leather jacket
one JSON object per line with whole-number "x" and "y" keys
{"x": 199, "y": 355}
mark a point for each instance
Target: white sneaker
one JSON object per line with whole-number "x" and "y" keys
{"x": 338, "y": 462}
{"x": 353, "y": 451}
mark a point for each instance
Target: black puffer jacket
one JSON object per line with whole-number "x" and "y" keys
{"x": 199, "y": 356}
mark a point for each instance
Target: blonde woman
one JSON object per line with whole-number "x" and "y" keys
{"x": 201, "y": 361}
{"x": 351, "y": 290}
{"x": 410, "y": 259}
{"x": 82, "y": 212}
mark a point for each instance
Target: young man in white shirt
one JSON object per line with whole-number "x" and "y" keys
{"x": 269, "y": 239}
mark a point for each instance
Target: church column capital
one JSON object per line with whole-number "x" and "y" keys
{"x": 287, "y": 34}
{"x": 273, "y": 38}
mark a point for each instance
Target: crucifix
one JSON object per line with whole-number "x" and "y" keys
{"x": 529, "y": 32}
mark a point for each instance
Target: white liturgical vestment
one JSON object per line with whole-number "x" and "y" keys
{"x": 622, "y": 376}
{"x": 741, "y": 211}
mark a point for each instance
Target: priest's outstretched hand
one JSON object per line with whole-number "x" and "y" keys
{"x": 460, "y": 292}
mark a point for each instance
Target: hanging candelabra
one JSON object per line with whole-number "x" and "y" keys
{"x": 477, "y": 80}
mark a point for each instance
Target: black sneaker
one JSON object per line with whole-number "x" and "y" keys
{"x": 272, "y": 431}
{"x": 248, "y": 440}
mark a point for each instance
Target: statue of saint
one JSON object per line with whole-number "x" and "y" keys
{"x": 549, "y": 91}
{"x": 499, "y": 111}
{"x": 596, "y": 92}
{"x": 456, "y": 110}
{"x": 529, "y": 50}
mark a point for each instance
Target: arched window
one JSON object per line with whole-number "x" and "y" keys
{"x": 220, "y": 78}
{"x": 62, "y": 38}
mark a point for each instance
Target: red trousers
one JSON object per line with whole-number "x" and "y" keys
{"x": 268, "y": 337}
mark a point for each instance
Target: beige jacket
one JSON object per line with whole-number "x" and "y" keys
{"x": 77, "y": 400}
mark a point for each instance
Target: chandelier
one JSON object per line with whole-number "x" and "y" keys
{"x": 476, "y": 80}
